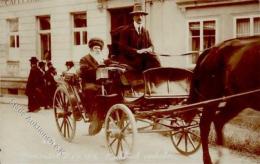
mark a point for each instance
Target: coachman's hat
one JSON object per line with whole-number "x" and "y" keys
{"x": 33, "y": 59}
{"x": 96, "y": 42}
{"x": 138, "y": 9}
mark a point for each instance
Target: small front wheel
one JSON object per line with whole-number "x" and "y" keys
{"x": 120, "y": 129}
{"x": 186, "y": 140}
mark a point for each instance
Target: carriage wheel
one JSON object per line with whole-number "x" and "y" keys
{"x": 63, "y": 108}
{"x": 121, "y": 131}
{"x": 187, "y": 139}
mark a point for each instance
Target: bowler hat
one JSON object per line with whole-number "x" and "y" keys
{"x": 138, "y": 9}
{"x": 42, "y": 64}
{"x": 49, "y": 64}
{"x": 69, "y": 63}
{"x": 96, "y": 42}
{"x": 33, "y": 59}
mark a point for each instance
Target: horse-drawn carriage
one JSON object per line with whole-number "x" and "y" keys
{"x": 162, "y": 99}
{"x": 162, "y": 88}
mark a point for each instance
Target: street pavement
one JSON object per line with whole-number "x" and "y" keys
{"x": 22, "y": 143}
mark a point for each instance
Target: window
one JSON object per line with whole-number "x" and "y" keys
{"x": 44, "y": 33}
{"x": 79, "y": 28}
{"x": 247, "y": 26}
{"x": 13, "y": 33}
{"x": 202, "y": 34}
{"x": 195, "y": 35}
{"x": 208, "y": 34}
{"x": 13, "y": 39}
{"x": 256, "y": 26}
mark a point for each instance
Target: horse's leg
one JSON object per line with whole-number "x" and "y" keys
{"x": 205, "y": 122}
{"x": 221, "y": 118}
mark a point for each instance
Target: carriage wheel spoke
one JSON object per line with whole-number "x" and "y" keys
{"x": 122, "y": 149}
{"x": 124, "y": 128}
{"x": 63, "y": 98}
{"x": 179, "y": 140}
{"x": 123, "y": 139}
{"x": 176, "y": 133}
{"x": 59, "y": 101}
{"x": 118, "y": 144}
{"x": 62, "y": 124}
{"x": 70, "y": 124}
{"x": 191, "y": 141}
{"x": 186, "y": 143}
{"x": 112, "y": 142}
{"x": 113, "y": 122}
{"x": 117, "y": 118}
{"x": 194, "y": 134}
{"x": 65, "y": 127}
{"x": 68, "y": 129}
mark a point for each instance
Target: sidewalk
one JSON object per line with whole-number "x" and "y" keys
{"x": 5, "y": 99}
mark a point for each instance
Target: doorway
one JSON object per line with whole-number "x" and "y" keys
{"x": 45, "y": 46}
{"x": 44, "y": 30}
{"x": 120, "y": 17}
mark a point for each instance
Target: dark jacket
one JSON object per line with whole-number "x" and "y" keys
{"x": 51, "y": 84}
{"x": 35, "y": 88}
{"x": 130, "y": 42}
{"x": 35, "y": 80}
{"x": 88, "y": 67}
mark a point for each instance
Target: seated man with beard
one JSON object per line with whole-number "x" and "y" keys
{"x": 88, "y": 66}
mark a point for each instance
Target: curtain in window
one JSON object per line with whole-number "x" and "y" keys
{"x": 195, "y": 35}
{"x": 243, "y": 27}
{"x": 208, "y": 34}
{"x": 257, "y": 26}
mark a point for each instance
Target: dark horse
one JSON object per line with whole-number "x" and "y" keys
{"x": 229, "y": 68}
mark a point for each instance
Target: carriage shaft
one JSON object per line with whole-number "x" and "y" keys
{"x": 195, "y": 106}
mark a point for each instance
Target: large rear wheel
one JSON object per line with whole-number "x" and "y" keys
{"x": 63, "y": 112}
{"x": 120, "y": 129}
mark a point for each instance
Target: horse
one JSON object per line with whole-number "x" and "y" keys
{"x": 228, "y": 68}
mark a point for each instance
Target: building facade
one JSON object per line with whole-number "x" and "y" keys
{"x": 60, "y": 29}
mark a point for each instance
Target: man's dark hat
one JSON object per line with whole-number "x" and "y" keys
{"x": 96, "y": 42}
{"x": 69, "y": 63}
{"x": 138, "y": 9}
{"x": 41, "y": 64}
{"x": 49, "y": 64}
{"x": 33, "y": 59}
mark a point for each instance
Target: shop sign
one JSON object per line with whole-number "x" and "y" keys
{"x": 15, "y": 2}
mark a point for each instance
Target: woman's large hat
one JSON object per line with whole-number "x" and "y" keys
{"x": 138, "y": 9}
